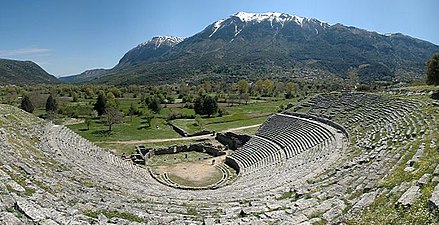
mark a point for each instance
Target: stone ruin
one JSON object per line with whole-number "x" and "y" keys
{"x": 143, "y": 154}
{"x": 322, "y": 161}
{"x": 231, "y": 140}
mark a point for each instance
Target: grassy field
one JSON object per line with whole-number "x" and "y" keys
{"x": 238, "y": 116}
{"x": 171, "y": 159}
{"x": 135, "y": 128}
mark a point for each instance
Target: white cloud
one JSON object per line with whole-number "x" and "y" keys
{"x": 23, "y": 51}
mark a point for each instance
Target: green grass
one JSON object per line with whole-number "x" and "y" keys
{"x": 135, "y": 128}
{"x": 248, "y": 131}
{"x": 170, "y": 159}
{"x": 384, "y": 211}
{"x": 130, "y": 129}
{"x": 114, "y": 214}
{"x": 286, "y": 195}
{"x": 20, "y": 179}
{"x": 238, "y": 116}
{"x": 192, "y": 211}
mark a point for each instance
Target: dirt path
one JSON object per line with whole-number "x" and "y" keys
{"x": 242, "y": 128}
{"x": 72, "y": 121}
{"x": 207, "y": 136}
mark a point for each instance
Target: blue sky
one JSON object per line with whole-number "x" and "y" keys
{"x": 67, "y": 37}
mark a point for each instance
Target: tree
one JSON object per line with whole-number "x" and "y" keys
{"x": 36, "y": 99}
{"x": 51, "y": 105}
{"x": 210, "y": 106}
{"x": 245, "y": 97}
{"x": 74, "y": 97}
{"x": 111, "y": 100}
{"x": 170, "y": 99}
{"x": 243, "y": 86}
{"x": 207, "y": 86}
{"x": 198, "y": 121}
{"x": 198, "y": 105}
{"x": 87, "y": 122}
{"x": 101, "y": 103}
{"x": 433, "y": 70}
{"x": 26, "y": 104}
{"x": 132, "y": 111}
{"x": 268, "y": 87}
{"x": 116, "y": 92}
{"x": 112, "y": 116}
{"x": 259, "y": 86}
{"x": 291, "y": 87}
{"x": 155, "y": 106}
{"x": 148, "y": 117}
{"x": 201, "y": 92}
{"x": 89, "y": 93}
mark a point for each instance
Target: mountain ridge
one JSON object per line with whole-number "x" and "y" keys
{"x": 18, "y": 72}
{"x": 263, "y": 44}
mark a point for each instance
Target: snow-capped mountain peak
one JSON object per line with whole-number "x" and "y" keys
{"x": 271, "y": 16}
{"x": 157, "y": 41}
{"x": 241, "y": 22}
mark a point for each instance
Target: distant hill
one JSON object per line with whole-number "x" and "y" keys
{"x": 85, "y": 76}
{"x": 23, "y": 73}
{"x": 250, "y": 45}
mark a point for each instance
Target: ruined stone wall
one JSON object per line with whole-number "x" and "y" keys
{"x": 179, "y": 130}
{"x": 199, "y": 147}
{"x": 232, "y": 163}
{"x": 231, "y": 140}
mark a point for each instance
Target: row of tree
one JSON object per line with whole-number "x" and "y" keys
{"x": 27, "y": 105}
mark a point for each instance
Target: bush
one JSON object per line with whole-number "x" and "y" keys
{"x": 222, "y": 112}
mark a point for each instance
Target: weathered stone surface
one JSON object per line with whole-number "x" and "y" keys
{"x": 9, "y": 219}
{"x": 436, "y": 170}
{"x": 209, "y": 221}
{"x": 409, "y": 197}
{"x": 423, "y": 180}
{"x": 26, "y": 169}
{"x": 364, "y": 201}
{"x": 15, "y": 186}
{"x": 409, "y": 169}
{"x": 331, "y": 214}
{"x": 306, "y": 203}
{"x": 71, "y": 175}
{"x": 433, "y": 202}
{"x": 295, "y": 219}
{"x": 30, "y": 210}
{"x": 48, "y": 222}
{"x": 273, "y": 206}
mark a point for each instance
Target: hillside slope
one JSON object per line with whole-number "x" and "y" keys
{"x": 23, "y": 73}
{"x": 250, "y": 45}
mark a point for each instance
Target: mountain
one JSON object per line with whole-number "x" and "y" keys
{"x": 252, "y": 45}
{"x": 143, "y": 53}
{"x": 23, "y": 73}
{"x": 85, "y": 76}
{"x": 149, "y": 51}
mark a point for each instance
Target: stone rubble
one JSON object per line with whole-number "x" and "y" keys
{"x": 329, "y": 174}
